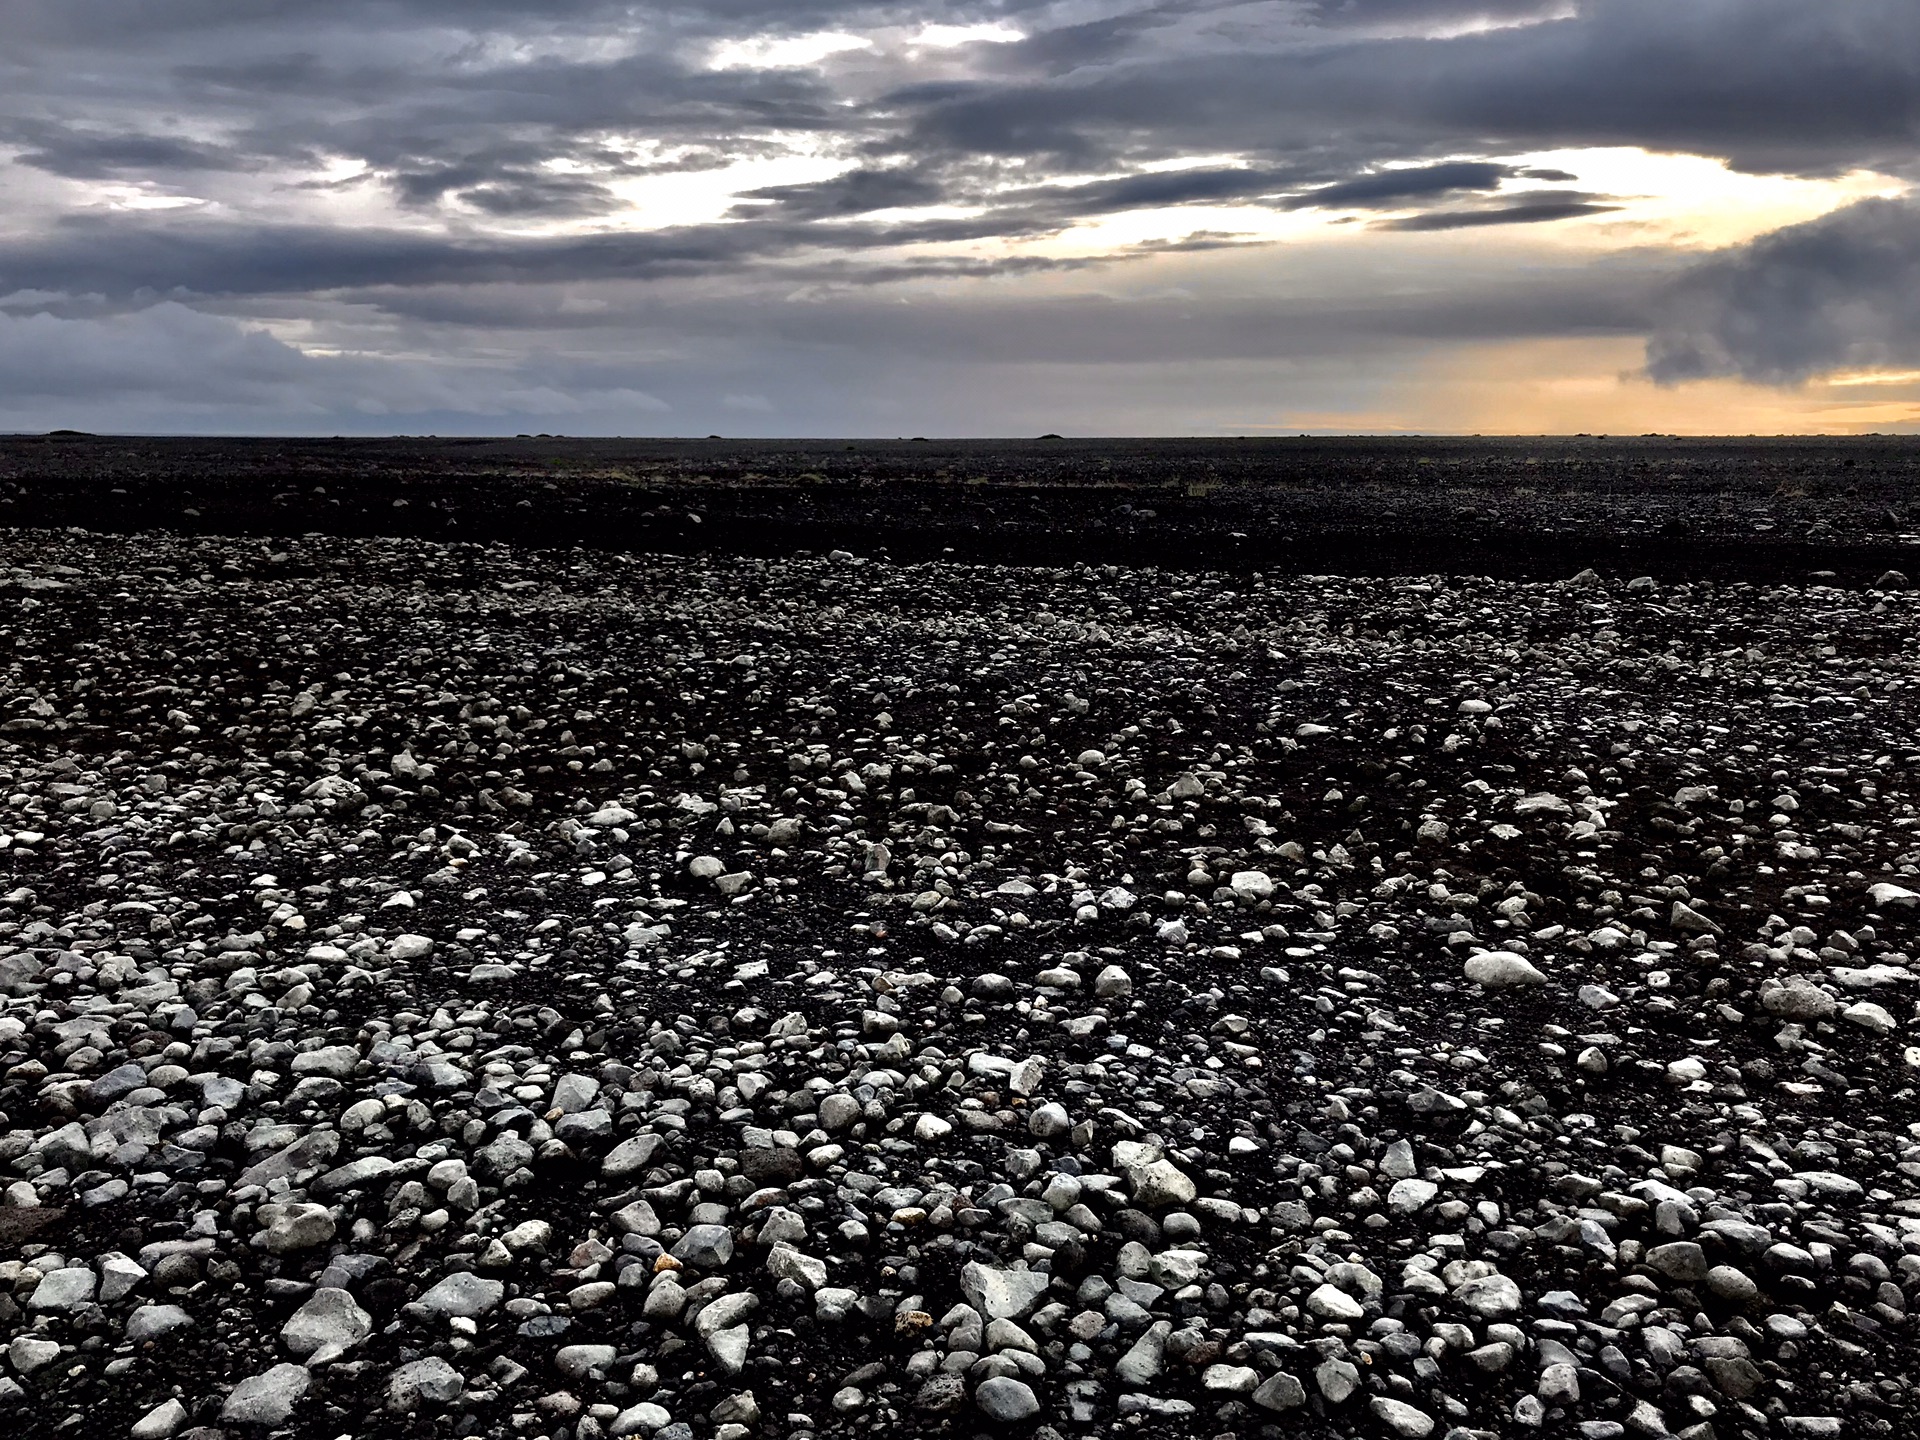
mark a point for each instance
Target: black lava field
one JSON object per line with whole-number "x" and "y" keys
{"x": 721, "y": 940}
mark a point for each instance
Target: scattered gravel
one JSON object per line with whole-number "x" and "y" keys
{"x": 458, "y": 990}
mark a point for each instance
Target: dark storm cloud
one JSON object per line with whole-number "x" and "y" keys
{"x": 1763, "y": 81}
{"x": 490, "y": 120}
{"x": 1047, "y": 207}
{"x": 174, "y": 352}
{"x": 1061, "y": 49}
{"x": 1087, "y": 326}
{"x": 660, "y": 359}
{"x": 1525, "y": 212}
{"x": 1770, "y": 84}
{"x": 548, "y": 195}
{"x": 500, "y": 124}
{"x": 103, "y": 22}
{"x": 437, "y": 116}
{"x": 1426, "y": 14}
{"x": 99, "y": 155}
{"x": 507, "y": 181}
{"x": 396, "y": 158}
{"x": 205, "y": 260}
{"x": 134, "y": 258}
{"x": 1176, "y": 187}
{"x": 1297, "y": 188}
{"x": 1391, "y": 187}
{"x": 1838, "y": 293}
{"x": 43, "y": 356}
{"x": 857, "y": 192}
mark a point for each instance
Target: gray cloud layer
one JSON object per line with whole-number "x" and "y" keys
{"x": 350, "y": 173}
{"x": 1839, "y": 293}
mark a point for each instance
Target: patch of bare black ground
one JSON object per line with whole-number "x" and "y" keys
{"x": 1675, "y": 509}
{"x": 476, "y": 989}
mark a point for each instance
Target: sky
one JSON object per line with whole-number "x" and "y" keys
{"x": 1093, "y": 217}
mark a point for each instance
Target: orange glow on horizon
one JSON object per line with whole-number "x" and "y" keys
{"x": 1572, "y": 386}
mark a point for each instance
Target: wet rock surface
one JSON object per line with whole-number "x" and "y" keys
{"x": 460, "y": 990}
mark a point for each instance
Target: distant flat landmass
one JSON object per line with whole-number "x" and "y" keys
{"x": 1785, "y": 508}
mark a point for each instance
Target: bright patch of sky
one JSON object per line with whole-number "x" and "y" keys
{"x": 784, "y": 52}
{"x": 704, "y": 197}
{"x": 942, "y": 37}
{"x": 1687, "y": 200}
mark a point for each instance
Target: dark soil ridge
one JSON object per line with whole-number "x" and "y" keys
{"x": 1752, "y": 510}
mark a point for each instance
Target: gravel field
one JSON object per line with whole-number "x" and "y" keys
{"x": 453, "y": 989}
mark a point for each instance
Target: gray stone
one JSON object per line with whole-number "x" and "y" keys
{"x": 1337, "y": 1379}
{"x": 267, "y": 1399}
{"x": 573, "y": 1093}
{"x": 299, "y": 1226}
{"x": 118, "y": 1277}
{"x": 786, "y": 1263}
{"x": 1397, "y": 1163}
{"x": 1280, "y": 1391}
{"x": 1331, "y": 1303}
{"x": 150, "y": 1322}
{"x": 705, "y": 1247}
{"x": 838, "y": 1111}
{"x": 61, "y": 1290}
{"x": 1869, "y": 1016}
{"x": 1006, "y": 1400}
{"x": 1251, "y": 886}
{"x": 1797, "y": 999}
{"x": 630, "y": 1157}
{"x": 1402, "y": 1419}
{"x": 1502, "y": 970}
{"x": 1049, "y": 1120}
{"x": 1732, "y": 1285}
{"x": 1158, "y": 1184}
{"x": 781, "y": 1226}
{"x": 463, "y": 1294}
{"x": 1411, "y": 1195}
{"x": 725, "y": 1311}
{"x": 637, "y": 1218}
{"x": 423, "y": 1382}
{"x": 326, "y": 1327}
{"x": 1143, "y": 1361}
{"x": 584, "y": 1127}
{"x": 366, "y": 1170}
{"x": 642, "y": 1419}
{"x": 1001, "y": 1294}
{"x": 119, "y": 1081}
{"x": 30, "y": 1354}
{"x": 1230, "y": 1379}
{"x": 1689, "y": 921}
{"x": 1680, "y": 1260}
{"x": 729, "y": 1348}
{"x": 1176, "y": 1268}
{"x": 501, "y": 1156}
{"x": 159, "y": 1422}
{"x": 740, "y": 1408}
{"x": 1492, "y": 1297}
{"x": 577, "y": 1362}
{"x": 1559, "y": 1384}
{"x": 309, "y": 1152}
{"x": 833, "y": 1303}
{"x": 337, "y": 1062}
